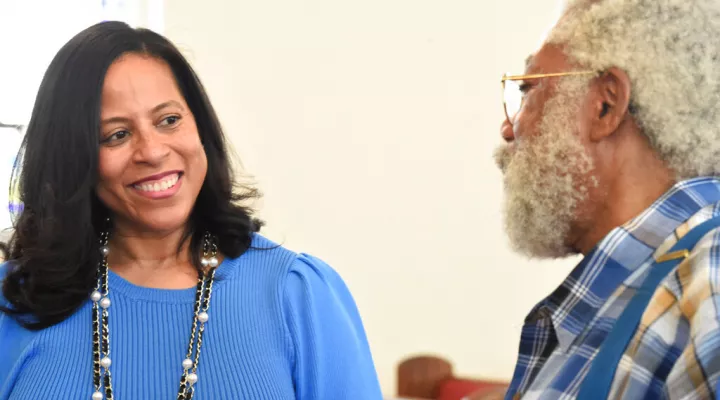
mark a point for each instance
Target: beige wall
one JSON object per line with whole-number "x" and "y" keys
{"x": 369, "y": 125}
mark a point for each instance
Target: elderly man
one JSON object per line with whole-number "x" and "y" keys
{"x": 612, "y": 148}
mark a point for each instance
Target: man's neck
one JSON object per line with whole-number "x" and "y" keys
{"x": 633, "y": 185}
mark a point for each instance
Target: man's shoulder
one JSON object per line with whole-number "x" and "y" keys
{"x": 697, "y": 278}
{"x": 702, "y": 266}
{"x": 705, "y": 227}
{"x": 699, "y": 223}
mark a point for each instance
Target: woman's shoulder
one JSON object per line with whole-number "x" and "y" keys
{"x": 4, "y": 270}
{"x": 266, "y": 253}
{"x": 15, "y": 340}
{"x": 301, "y": 274}
{"x": 264, "y": 260}
{"x": 7, "y": 323}
{"x": 272, "y": 262}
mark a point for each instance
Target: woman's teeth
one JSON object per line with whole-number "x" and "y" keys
{"x": 158, "y": 186}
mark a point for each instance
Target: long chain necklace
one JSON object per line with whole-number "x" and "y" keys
{"x": 102, "y": 379}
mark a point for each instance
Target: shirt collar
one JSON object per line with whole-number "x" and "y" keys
{"x": 577, "y": 300}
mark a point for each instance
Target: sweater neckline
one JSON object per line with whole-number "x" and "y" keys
{"x": 118, "y": 284}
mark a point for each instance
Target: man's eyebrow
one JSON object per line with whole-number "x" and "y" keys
{"x": 528, "y": 62}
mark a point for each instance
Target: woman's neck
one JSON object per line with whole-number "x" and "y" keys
{"x": 157, "y": 260}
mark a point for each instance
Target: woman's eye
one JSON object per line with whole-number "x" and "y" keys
{"x": 170, "y": 120}
{"x": 116, "y": 137}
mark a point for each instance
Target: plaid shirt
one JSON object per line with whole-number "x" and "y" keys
{"x": 676, "y": 350}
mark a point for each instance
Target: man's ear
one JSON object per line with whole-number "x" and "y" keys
{"x": 609, "y": 103}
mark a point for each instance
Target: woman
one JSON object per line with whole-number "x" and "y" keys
{"x": 134, "y": 272}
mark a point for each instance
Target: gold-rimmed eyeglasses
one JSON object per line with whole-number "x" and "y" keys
{"x": 513, "y": 94}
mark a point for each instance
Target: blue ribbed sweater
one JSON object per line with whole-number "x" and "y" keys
{"x": 282, "y": 326}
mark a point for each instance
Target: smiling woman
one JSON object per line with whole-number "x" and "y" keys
{"x": 151, "y": 162}
{"x": 130, "y": 205}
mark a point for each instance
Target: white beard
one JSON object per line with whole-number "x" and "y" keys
{"x": 546, "y": 177}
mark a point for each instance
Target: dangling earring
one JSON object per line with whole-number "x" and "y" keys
{"x": 104, "y": 238}
{"x": 209, "y": 257}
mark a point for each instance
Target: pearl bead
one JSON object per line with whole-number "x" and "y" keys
{"x": 192, "y": 378}
{"x": 214, "y": 262}
{"x": 204, "y": 262}
{"x": 105, "y": 251}
{"x": 97, "y": 396}
{"x": 105, "y": 362}
{"x": 187, "y": 363}
{"x": 96, "y": 296}
{"x": 203, "y": 317}
{"x": 105, "y": 303}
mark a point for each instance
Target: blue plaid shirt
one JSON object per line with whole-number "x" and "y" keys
{"x": 676, "y": 349}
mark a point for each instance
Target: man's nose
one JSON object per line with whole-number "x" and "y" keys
{"x": 506, "y": 130}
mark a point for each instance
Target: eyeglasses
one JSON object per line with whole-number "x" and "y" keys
{"x": 513, "y": 95}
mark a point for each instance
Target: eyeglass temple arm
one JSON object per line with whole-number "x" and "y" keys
{"x": 535, "y": 76}
{"x": 12, "y": 126}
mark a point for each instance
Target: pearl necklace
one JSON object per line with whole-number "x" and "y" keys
{"x": 102, "y": 379}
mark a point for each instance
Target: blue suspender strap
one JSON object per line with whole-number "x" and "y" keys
{"x": 598, "y": 381}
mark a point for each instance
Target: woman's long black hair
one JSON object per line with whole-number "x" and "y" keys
{"x": 54, "y": 249}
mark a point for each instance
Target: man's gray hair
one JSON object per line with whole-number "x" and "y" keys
{"x": 671, "y": 51}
